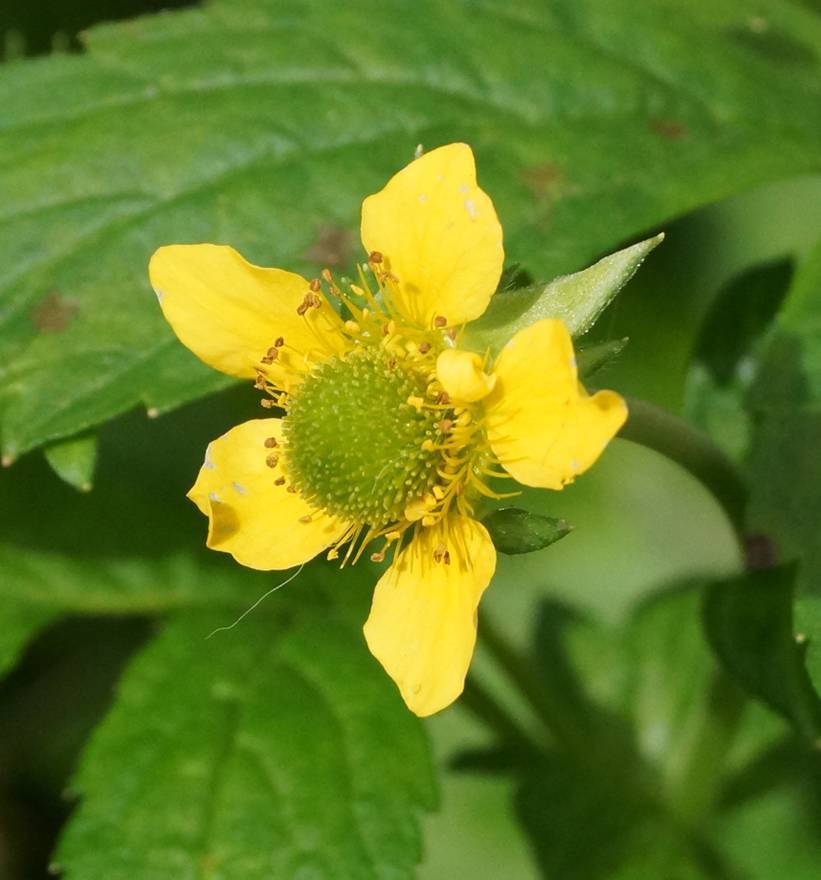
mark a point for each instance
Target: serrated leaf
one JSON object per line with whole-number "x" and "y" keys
{"x": 577, "y": 299}
{"x": 515, "y": 531}
{"x": 73, "y": 460}
{"x": 278, "y": 749}
{"x": 219, "y": 124}
{"x": 749, "y": 621}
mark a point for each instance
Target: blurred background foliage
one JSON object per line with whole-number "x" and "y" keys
{"x": 279, "y": 748}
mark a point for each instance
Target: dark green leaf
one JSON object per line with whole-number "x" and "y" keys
{"x": 519, "y": 531}
{"x": 749, "y": 621}
{"x": 223, "y": 124}
{"x": 577, "y": 299}
{"x": 278, "y": 749}
{"x": 739, "y": 315}
{"x": 21, "y": 622}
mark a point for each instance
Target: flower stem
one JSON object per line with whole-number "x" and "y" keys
{"x": 657, "y": 429}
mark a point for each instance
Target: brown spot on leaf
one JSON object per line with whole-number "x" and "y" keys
{"x": 668, "y": 128}
{"x": 54, "y": 313}
{"x": 334, "y": 246}
{"x": 545, "y": 181}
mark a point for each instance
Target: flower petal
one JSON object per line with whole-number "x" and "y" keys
{"x": 259, "y": 523}
{"x": 440, "y": 234}
{"x": 422, "y": 625}
{"x": 542, "y": 425}
{"x": 229, "y": 312}
{"x": 463, "y": 376}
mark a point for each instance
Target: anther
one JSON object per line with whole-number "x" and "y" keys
{"x": 279, "y": 481}
{"x": 266, "y": 403}
{"x": 443, "y": 398}
{"x": 272, "y": 461}
{"x": 445, "y": 426}
{"x": 424, "y": 348}
{"x": 273, "y": 353}
{"x": 333, "y": 553}
{"x": 271, "y": 442}
{"x": 439, "y": 552}
{"x": 315, "y": 285}
{"x": 279, "y": 342}
{"x": 305, "y": 519}
{"x": 291, "y": 489}
{"x": 379, "y": 556}
{"x": 440, "y": 321}
{"x": 326, "y": 274}
{"x": 302, "y": 307}
{"x": 451, "y": 333}
{"x": 374, "y": 257}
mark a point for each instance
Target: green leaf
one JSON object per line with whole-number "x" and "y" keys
{"x": 577, "y": 299}
{"x": 593, "y": 358}
{"x": 21, "y": 622}
{"x": 516, "y": 531}
{"x": 784, "y": 402}
{"x": 800, "y": 320}
{"x": 278, "y": 749}
{"x": 739, "y": 316}
{"x": 74, "y": 459}
{"x": 220, "y": 124}
{"x": 749, "y": 621}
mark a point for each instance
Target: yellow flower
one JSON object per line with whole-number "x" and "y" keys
{"x": 391, "y": 432}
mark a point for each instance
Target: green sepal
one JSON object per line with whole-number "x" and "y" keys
{"x": 515, "y": 531}
{"x": 74, "y": 460}
{"x": 592, "y": 358}
{"x": 577, "y": 299}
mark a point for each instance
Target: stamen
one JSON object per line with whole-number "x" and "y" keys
{"x": 270, "y": 442}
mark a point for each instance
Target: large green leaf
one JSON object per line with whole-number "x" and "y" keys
{"x": 268, "y": 751}
{"x": 263, "y": 123}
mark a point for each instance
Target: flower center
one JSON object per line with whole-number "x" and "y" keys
{"x": 354, "y": 444}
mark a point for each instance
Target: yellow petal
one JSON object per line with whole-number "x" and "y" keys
{"x": 230, "y": 312}
{"x": 440, "y": 234}
{"x": 422, "y": 625}
{"x": 541, "y": 423}
{"x": 462, "y": 375}
{"x": 260, "y": 524}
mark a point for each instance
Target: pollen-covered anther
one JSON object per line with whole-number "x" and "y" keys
{"x": 374, "y": 257}
{"x": 378, "y": 556}
{"x": 441, "y": 554}
{"x": 279, "y": 342}
{"x": 445, "y": 426}
{"x": 424, "y": 347}
{"x": 315, "y": 285}
{"x": 279, "y": 481}
{"x": 267, "y": 403}
{"x": 270, "y": 442}
{"x": 440, "y": 321}
{"x": 272, "y": 461}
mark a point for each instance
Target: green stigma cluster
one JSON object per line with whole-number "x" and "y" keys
{"x": 353, "y": 444}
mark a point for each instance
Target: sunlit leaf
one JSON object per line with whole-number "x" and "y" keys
{"x": 263, "y": 123}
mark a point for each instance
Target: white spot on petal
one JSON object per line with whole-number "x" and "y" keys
{"x": 572, "y": 362}
{"x": 464, "y": 188}
{"x": 209, "y": 462}
{"x": 239, "y": 488}
{"x": 470, "y": 207}
{"x": 213, "y": 496}
{"x": 159, "y": 294}
{"x": 423, "y": 197}
{"x": 574, "y": 464}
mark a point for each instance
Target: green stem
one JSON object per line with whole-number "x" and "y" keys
{"x": 548, "y": 704}
{"x": 479, "y": 700}
{"x": 679, "y": 441}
